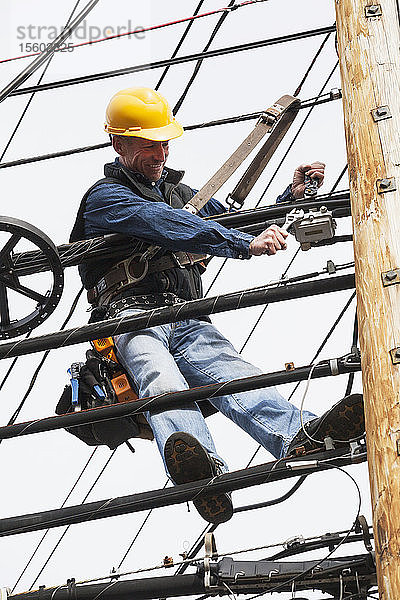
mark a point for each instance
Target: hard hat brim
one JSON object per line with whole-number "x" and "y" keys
{"x": 156, "y": 134}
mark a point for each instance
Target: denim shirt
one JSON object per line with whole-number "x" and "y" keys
{"x": 115, "y": 208}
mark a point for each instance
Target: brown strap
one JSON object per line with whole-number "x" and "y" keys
{"x": 263, "y": 156}
{"x": 270, "y": 120}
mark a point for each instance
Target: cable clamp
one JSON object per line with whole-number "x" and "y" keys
{"x": 114, "y": 574}
{"x": 71, "y": 585}
{"x": 210, "y": 553}
{"x": 297, "y": 540}
{"x": 334, "y": 366}
{"x": 302, "y": 464}
{"x": 358, "y": 451}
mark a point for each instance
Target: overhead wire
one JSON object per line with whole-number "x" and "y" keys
{"x": 48, "y": 530}
{"x": 320, "y": 561}
{"x": 323, "y": 99}
{"x": 180, "y": 43}
{"x": 175, "y": 61}
{"x": 343, "y": 534}
{"x": 141, "y": 30}
{"x": 33, "y": 93}
{"x": 68, "y": 526}
{"x": 350, "y": 380}
{"x": 200, "y": 61}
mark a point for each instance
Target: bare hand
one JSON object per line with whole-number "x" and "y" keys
{"x": 269, "y": 241}
{"x": 315, "y": 170}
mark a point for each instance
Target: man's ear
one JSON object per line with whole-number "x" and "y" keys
{"x": 118, "y": 145}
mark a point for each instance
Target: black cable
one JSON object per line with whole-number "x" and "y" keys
{"x": 339, "y": 179}
{"x": 138, "y": 532}
{"x": 306, "y": 74}
{"x": 295, "y": 137}
{"x": 175, "y": 61}
{"x": 68, "y": 526}
{"x": 274, "y": 501}
{"x": 262, "y": 313}
{"x": 179, "y": 45}
{"x": 226, "y": 121}
{"x": 200, "y": 61}
{"x": 33, "y": 93}
{"x": 11, "y": 367}
{"x": 350, "y": 380}
{"x": 342, "y": 541}
{"x": 47, "y": 531}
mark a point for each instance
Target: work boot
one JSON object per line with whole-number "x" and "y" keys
{"x": 343, "y": 422}
{"x": 187, "y": 461}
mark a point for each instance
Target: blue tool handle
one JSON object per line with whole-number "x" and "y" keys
{"x": 99, "y": 391}
{"x": 74, "y": 386}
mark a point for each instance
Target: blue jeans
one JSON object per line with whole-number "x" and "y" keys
{"x": 191, "y": 353}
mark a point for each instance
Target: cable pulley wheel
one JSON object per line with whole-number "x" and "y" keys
{"x": 24, "y": 300}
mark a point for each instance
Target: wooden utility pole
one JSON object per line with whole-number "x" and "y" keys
{"x": 369, "y": 42}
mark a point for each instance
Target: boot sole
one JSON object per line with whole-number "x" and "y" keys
{"x": 188, "y": 461}
{"x": 343, "y": 422}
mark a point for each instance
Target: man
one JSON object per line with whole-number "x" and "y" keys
{"x": 144, "y": 199}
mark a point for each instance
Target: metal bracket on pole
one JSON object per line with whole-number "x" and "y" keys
{"x": 374, "y": 10}
{"x": 387, "y": 184}
{"x": 391, "y": 277}
{"x": 395, "y": 355}
{"x": 381, "y": 112}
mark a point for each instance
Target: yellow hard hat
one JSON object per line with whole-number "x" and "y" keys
{"x": 141, "y": 112}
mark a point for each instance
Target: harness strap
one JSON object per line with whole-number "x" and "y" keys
{"x": 263, "y": 156}
{"x": 269, "y": 120}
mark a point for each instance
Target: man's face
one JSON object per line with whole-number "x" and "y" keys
{"x": 144, "y": 156}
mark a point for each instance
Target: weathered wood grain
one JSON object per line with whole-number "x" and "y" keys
{"x": 369, "y": 52}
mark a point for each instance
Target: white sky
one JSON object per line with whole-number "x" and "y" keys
{"x": 38, "y": 471}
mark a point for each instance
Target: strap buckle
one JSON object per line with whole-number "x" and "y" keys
{"x": 135, "y": 270}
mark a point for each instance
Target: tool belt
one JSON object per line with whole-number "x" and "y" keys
{"x": 130, "y": 271}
